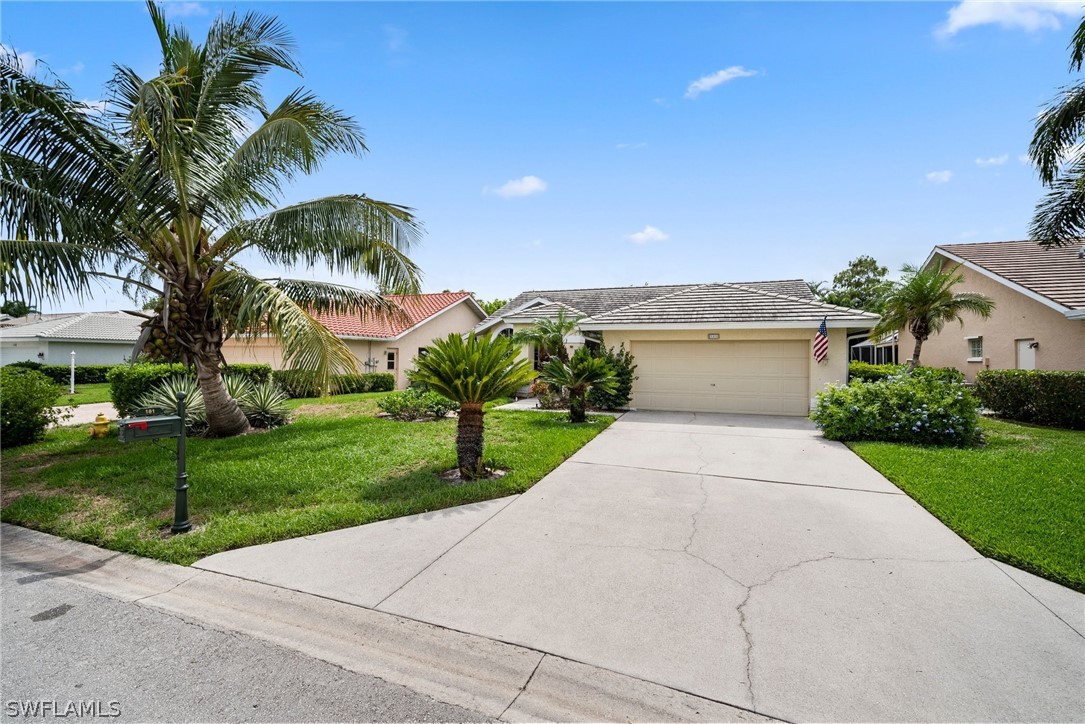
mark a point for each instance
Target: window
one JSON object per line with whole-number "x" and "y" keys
{"x": 505, "y": 333}
{"x": 423, "y": 351}
{"x": 392, "y": 361}
{"x": 975, "y": 349}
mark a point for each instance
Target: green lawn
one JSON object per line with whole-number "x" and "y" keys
{"x": 337, "y": 466}
{"x": 85, "y": 394}
{"x": 1019, "y": 498}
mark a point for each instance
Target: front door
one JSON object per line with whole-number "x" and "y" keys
{"x": 1026, "y": 354}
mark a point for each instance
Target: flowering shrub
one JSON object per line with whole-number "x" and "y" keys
{"x": 547, "y": 396}
{"x": 899, "y": 408}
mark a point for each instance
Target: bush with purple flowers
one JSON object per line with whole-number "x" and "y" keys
{"x": 899, "y": 408}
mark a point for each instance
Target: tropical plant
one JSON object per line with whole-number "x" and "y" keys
{"x": 1056, "y": 152}
{"x": 621, "y": 363}
{"x": 169, "y": 186}
{"x": 265, "y": 405}
{"x": 472, "y": 371}
{"x": 166, "y": 396}
{"x": 548, "y": 335}
{"x": 923, "y": 301}
{"x": 17, "y": 308}
{"x": 577, "y": 377}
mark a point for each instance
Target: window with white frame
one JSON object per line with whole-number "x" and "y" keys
{"x": 392, "y": 361}
{"x": 975, "y": 348}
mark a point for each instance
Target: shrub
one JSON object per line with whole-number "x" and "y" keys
{"x": 899, "y": 408}
{"x": 61, "y": 374}
{"x": 866, "y": 372}
{"x": 164, "y": 395}
{"x": 547, "y": 396}
{"x": 26, "y": 406}
{"x": 128, "y": 383}
{"x": 1046, "y": 398}
{"x": 622, "y": 365}
{"x": 265, "y": 405}
{"x": 416, "y": 404}
{"x": 300, "y": 383}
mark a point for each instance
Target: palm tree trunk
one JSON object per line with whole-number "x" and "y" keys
{"x": 576, "y": 408}
{"x": 224, "y": 416}
{"x": 469, "y": 440}
{"x": 914, "y": 361}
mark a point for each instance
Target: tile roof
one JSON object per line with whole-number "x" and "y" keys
{"x": 91, "y": 326}
{"x": 417, "y": 308}
{"x": 724, "y": 304}
{"x": 592, "y": 302}
{"x": 1056, "y": 273}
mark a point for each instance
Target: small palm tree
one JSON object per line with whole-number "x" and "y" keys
{"x": 924, "y": 301}
{"x": 577, "y": 377}
{"x": 548, "y": 335}
{"x": 472, "y": 371}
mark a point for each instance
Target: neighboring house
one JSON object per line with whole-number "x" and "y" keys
{"x": 741, "y": 347}
{"x": 381, "y": 345}
{"x": 97, "y": 338}
{"x": 1039, "y": 316}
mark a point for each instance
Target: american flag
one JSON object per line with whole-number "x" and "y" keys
{"x": 821, "y": 343}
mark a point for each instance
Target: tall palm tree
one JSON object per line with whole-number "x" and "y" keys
{"x": 1056, "y": 151}
{"x": 924, "y": 301}
{"x": 175, "y": 181}
{"x": 472, "y": 371}
{"x": 577, "y": 377}
{"x": 548, "y": 335}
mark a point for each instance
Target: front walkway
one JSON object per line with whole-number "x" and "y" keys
{"x": 742, "y": 559}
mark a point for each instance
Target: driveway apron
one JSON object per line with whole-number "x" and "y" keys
{"x": 743, "y": 559}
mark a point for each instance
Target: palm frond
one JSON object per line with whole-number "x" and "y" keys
{"x": 1059, "y": 219}
{"x": 1059, "y": 129}
{"x": 35, "y": 269}
{"x": 472, "y": 369}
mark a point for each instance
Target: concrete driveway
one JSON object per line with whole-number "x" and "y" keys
{"x": 742, "y": 559}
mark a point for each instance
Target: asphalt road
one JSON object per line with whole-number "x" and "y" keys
{"x": 67, "y": 650}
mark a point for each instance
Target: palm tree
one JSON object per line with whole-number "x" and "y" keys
{"x": 167, "y": 189}
{"x": 472, "y": 371}
{"x": 924, "y": 301}
{"x": 577, "y": 377}
{"x": 548, "y": 335}
{"x": 1056, "y": 151}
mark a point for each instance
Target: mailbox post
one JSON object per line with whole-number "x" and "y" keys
{"x": 156, "y": 427}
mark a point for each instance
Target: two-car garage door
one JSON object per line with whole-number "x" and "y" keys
{"x": 766, "y": 377}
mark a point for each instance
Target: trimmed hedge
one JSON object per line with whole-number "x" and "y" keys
{"x": 61, "y": 374}
{"x": 902, "y": 408}
{"x": 1046, "y": 398}
{"x": 128, "y": 383}
{"x": 416, "y": 404}
{"x": 300, "y": 383}
{"x": 866, "y": 372}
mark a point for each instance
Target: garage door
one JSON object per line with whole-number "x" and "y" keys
{"x": 765, "y": 377}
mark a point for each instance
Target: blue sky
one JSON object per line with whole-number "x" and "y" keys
{"x": 555, "y": 145}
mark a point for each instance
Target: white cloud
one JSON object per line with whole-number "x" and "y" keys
{"x": 993, "y": 161}
{"x": 183, "y": 9}
{"x": 648, "y": 235}
{"x": 939, "y": 177}
{"x": 1029, "y": 15}
{"x": 27, "y": 60}
{"x": 622, "y": 146}
{"x": 1024, "y": 158}
{"x": 661, "y": 102}
{"x": 395, "y": 38}
{"x": 75, "y": 69}
{"x": 525, "y": 186}
{"x": 708, "y": 82}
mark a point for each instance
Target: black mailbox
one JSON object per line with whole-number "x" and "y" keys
{"x": 152, "y": 427}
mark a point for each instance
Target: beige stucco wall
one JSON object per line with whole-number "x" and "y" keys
{"x": 459, "y": 319}
{"x": 1016, "y": 317}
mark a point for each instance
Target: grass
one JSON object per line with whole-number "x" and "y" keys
{"x": 1020, "y": 498}
{"x": 338, "y": 465}
{"x": 85, "y": 394}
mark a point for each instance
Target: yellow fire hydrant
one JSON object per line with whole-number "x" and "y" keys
{"x": 100, "y": 426}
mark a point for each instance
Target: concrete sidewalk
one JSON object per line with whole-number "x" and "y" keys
{"x": 743, "y": 560}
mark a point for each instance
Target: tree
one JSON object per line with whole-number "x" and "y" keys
{"x": 472, "y": 371}
{"x": 1056, "y": 151}
{"x": 577, "y": 377}
{"x": 17, "y": 308}
{"x": 862, "y": 285}
{"x": 924, "y": 301}
{"x": 492, "y": 306}
{"x": 169, "y": 186}
{"x": 548, "y": 335}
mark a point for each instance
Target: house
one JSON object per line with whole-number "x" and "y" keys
{"x": 97, "y": 338}
{"x": 380, "y": 344}
{"x": 720, "y": 347}
{"x": 1039, "y": 316}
